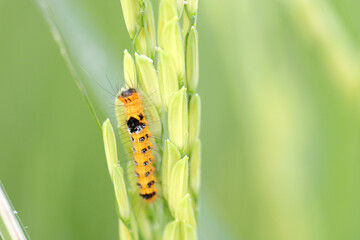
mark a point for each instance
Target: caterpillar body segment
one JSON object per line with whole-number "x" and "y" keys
{"x": 142, "y": 147}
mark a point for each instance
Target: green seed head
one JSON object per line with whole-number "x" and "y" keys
{"x": 170, "y": 157}
{"x": 195, "y": 162}
{"x": 191, "y": 7}
{"x": 140, "y": 42}
{"x": 178, "y": 119}
{"x": 194, "y": 119}
{"x": 187, "y": 231}
{"x": 134, "y": 227}
{"x": 121, "y": 193}
{"x": 146, "y": 40}
{"x": 160, "y": 90}
{"x": 150, "y": 28}
{"x": 124, "y": 231}
{"x": 131, "y": 10}
{"x": 167, "y": 12}
{"x": 170, "y": 40}
{"x": 178, "y": 184}
{"x": 172, "y": 231}
{"x": 146, "y": 228}
{"x": 148, "y": 78}
{"x": 142, "y": 219}
{"x": 110, "y": 146}
{"x": 186, "y": 25}
{"x": 192, "y": 60}
{"x": 129, "y": 70}
{"x": 184, "y": 211}
{"x": 179, "y": 6}
{"x": 167, "y": 77}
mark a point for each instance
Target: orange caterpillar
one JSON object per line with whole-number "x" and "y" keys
{"x": 140, "y": 136}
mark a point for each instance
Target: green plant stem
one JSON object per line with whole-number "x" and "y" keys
{"x": 10, "y": 224}
{"x": 63, "y": 50}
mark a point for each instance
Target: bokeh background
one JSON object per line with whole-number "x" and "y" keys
{"x": 279, "y": 83}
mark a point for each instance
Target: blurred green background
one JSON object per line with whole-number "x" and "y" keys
{"x": 279, "y": 83}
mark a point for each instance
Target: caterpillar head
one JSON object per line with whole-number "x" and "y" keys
{"x": 128, "y": 95}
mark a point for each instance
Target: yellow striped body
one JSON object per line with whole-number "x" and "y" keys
{"x": 142, "y": 147}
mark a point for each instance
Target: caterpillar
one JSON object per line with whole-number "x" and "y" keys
{"x": 142, "y": 147}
